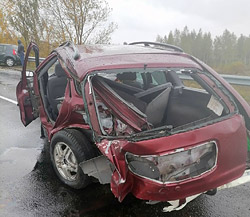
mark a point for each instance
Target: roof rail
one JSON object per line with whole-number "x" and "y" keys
{"x": 163, "y": 45}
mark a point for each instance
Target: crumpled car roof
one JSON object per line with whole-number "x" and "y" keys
{"x": 101, "y": 57}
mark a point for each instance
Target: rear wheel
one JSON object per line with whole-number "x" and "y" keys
{"x": 69, "y": 148}
{"x": 9, "y": 61}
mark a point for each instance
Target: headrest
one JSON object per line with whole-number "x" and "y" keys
{"x": 174, "y": 79}
{"x": 59, "y": 70}
{"x": 126, "y": 76}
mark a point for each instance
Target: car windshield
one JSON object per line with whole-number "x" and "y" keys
{"x": 149, "y": 101}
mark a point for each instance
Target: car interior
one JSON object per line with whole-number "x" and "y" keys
{"x": 56, "y": 89}
{"x": 52, "y": 82}
{"x": 168, "y": 103}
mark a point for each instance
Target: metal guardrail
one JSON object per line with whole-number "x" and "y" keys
{"x": 32, "y": 59}
{"x": 231, "y": 79}
{"x": 237, "y": 79}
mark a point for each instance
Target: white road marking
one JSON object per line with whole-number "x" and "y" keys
{"x": 9, "y": 100}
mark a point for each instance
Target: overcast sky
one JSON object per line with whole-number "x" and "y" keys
{"x": 143, "y": 19}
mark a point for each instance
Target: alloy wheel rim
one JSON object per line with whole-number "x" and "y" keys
{"x": 10, "y": 62}
{"x": 65, "y": 161}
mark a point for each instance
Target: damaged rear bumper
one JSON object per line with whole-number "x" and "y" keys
{"x": 113, "y": 167}
{"x": 180, "y": 204}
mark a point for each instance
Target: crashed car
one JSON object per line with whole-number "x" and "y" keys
{"x": 146, "y": 118}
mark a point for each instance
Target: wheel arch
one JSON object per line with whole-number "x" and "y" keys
{"x": 85, "y": 130}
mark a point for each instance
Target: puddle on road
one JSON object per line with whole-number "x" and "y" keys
{"x": 17, "y": 162}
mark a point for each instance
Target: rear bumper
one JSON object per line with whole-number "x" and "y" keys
{"x": 147, "y": 190}
{"x": 178, "y": 204}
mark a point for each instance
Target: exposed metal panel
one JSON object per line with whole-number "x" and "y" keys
{"x": 98, "y": 167}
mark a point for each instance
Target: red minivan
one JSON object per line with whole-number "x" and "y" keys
{"x": 146, "y": 118}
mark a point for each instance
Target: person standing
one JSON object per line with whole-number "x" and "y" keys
{"x": 20, "y": 51}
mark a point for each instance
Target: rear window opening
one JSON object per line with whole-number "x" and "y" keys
{"x": 136, "y": 100}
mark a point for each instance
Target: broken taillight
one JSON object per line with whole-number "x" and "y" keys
{"x": 14, "y": 52}
{"x": 173, "y": 167}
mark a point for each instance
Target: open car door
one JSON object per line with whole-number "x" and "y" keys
{"x": 27, "y": 101}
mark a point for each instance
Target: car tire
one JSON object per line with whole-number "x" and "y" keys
{"x": 9, "y": 61}
{"x": 69, "y": 148}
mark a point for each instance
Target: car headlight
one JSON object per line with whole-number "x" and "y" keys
{"x": 177, "y": 166}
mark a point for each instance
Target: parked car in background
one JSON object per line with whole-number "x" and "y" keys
{"x": 8, "y": 55}
{"x": 145, "y": 118}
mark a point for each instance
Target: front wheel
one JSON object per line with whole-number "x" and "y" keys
{"x": 69, "y": 148}
{"x": 9, "y": 61}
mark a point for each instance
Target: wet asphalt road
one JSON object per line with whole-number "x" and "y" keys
{"x": 29, "y": 187}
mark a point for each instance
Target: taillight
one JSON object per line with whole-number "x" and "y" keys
{"x": 174, "y": 167}
{"x": 14, "y": 52}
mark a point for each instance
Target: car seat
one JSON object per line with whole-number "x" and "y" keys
{"x": 156, "y": 109}
{"x": 56, "y": 88}
{"x": 129, "y": 78}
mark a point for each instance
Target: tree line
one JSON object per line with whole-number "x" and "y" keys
{"x": 52, "y": 22}
{"x": 227, "y": 53}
